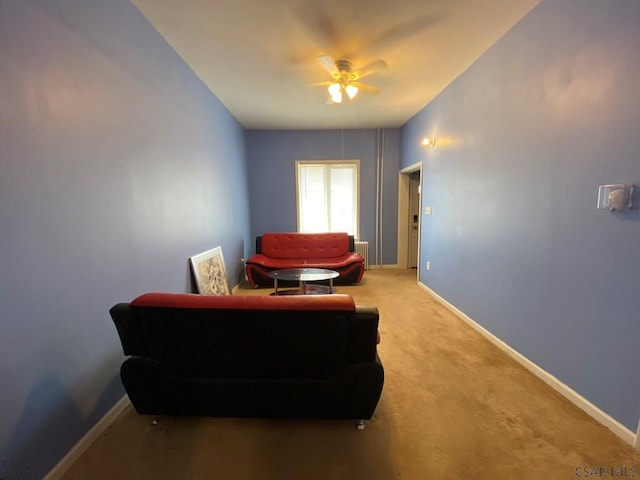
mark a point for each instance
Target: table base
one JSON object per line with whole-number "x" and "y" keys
{"x": 307, "y": 290}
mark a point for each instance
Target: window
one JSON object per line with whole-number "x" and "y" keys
{"x": 327, "y": 193}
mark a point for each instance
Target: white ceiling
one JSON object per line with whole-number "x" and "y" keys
{"x": 259, "y": 56}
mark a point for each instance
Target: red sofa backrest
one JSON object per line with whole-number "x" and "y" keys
{"x": 305, "y": 245}
{"x": 229, "y": 336}
{"x": 334, "y": 302}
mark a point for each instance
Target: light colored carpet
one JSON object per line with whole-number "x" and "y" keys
{"x": 453, "y": 407}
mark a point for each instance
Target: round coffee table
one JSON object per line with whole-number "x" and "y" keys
{"x": 302, "y": 276}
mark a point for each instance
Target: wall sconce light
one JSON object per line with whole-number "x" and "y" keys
{"x": 429, "y": 142}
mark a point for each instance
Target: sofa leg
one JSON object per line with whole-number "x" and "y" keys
{"x": 360, "y": 425}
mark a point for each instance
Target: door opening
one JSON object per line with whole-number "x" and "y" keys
{"x": 409, "y": 217}
{"x": 414, "y": 215}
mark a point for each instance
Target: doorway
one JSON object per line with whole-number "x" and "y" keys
{"x": 414, "y": 215}
{"x": 409, "y": 205}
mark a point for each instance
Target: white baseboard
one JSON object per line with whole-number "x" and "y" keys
{"x": 87, "y": 440}
{"x": 605, "y": 419}
{"x": 373, "y": 267}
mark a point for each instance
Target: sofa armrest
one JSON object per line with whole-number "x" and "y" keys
{"x": 363, "y": 334}
{"x": 129, "y": 329}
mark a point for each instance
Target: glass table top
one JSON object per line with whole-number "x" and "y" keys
{"x": 303, "y": 274}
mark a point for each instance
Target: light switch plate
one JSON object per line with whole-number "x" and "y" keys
{"x": 427, "y": 210}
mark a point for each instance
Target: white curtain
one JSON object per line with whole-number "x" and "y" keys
{"x": 328, "y": 197}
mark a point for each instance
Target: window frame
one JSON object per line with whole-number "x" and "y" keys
{"x": 327, "y": 163}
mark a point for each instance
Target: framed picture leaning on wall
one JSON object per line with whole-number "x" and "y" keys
{"x": 210, "y": 272}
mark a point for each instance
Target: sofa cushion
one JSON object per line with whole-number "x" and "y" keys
{"x": 294, "y": 245}
{"x": 332, "y": 263}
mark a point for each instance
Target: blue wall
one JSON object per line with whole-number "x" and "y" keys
{"x": 116, "y": 165}
{"x": 271, "y": 156}
{"x": 525, "y": 137}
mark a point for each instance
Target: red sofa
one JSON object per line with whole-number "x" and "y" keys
{"x": 333, "y": 251}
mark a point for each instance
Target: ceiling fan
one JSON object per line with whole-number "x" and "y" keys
{"x": 345, "y": 83}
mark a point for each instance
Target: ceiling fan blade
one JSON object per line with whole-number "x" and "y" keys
{"x": 328, "y": 64}
{"x": 365, "y": 88}
{"x": 321, "y": 84}
{"x": 400, "y": 32}
{"x": 405, "y": 30}
{"x": 370, "y": 68}
{"x": 319, "y": 23}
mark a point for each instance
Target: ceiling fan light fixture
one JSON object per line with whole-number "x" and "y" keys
{"x": 335, "y": 91}
{"x": 345, "y": 80}
{"x": 351, "y": 91}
